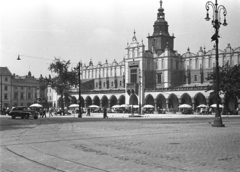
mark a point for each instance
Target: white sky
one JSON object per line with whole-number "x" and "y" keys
{"x": 100, "y": 29}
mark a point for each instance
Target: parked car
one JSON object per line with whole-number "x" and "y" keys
{"x": 23, "y": 112}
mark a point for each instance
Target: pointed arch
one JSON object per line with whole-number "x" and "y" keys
{"x": 149, "y": 99}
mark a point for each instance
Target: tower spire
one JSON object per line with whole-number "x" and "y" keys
{"x": 161, "y": 4}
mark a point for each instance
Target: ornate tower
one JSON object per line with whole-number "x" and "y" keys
{"x": 160, "y": 37}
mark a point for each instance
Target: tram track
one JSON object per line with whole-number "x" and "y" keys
{"x": 29, "y": 145}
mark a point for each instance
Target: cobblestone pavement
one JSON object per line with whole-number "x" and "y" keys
{"x": 119, "y": 144}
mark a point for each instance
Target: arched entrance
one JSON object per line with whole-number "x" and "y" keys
{"x": 104, "y": 101}
{"x": 74, "y": 100}
{"x": 149, "y": 100}
{"x": 186, "y": 99}
{"x": 88, "y": 101}
{"x": 173, "y": 102}
{"x": 199, "y": 99}
{"x": 113, "y": 100}
{"x": 133, "y": 100}
{"x": 161, "y": 102}
{"x": 121, "y": 99}
{"x": 96, "y": 101}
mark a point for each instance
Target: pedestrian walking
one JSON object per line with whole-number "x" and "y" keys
{"x": 44, "y": 113}
{"x": 105, "y": 112}
{"x": 50, "y": 112}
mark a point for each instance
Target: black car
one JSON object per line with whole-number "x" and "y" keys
{"x": 23, "y": 112}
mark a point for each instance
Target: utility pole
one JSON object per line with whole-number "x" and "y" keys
{"x": 79, "y": 91}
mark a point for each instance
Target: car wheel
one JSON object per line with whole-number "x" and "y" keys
{"x": 26, "y": 116}
{"x": 35, "y": 117}
{"x": 13, "y": 117}
{"x": 22, "y": 117}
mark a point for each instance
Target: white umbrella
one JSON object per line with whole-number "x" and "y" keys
{"x": 148, "y": 106}
{"x": 135, "y": 106}
{"x": 185, "y": 106}
{"x": 215, "y": 105}
{"x": 74, "y": 105}
{"x": 93, "y": 106}
{"x": 124, "y": 105}
{"x": 116, "y": 106}
{"x": 202, "y": 106}
{"x": 36, "y": 105}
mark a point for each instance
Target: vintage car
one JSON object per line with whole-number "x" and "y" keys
{"x": 23, "y": 112}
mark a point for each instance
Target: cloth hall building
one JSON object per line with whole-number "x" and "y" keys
{"x": 154, "y": 74}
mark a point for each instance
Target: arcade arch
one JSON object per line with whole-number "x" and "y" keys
{"x": 133, "y": 100}
{"x": 149, "y": 99}
{"x": 173, "y": 102}
{"x": 161, "y": 102}
{"x": 104, "y": 101}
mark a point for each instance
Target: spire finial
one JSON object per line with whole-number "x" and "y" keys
{"x": 161, "y": 3}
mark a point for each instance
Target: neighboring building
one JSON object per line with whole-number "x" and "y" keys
{"x": 6, "y": 87}
{"x": 51, "y": 97}
{"x": 158, "y": 76}
{"x": 18, "y": 90}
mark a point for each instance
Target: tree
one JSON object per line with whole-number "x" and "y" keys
{"x": 63, "y": 81}
{"x": 229, "y": 81}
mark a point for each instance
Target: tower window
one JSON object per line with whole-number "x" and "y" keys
{"x": 195, "y": 77}
{"x": 159, "y": 78}
{"x": 133, "y": 76}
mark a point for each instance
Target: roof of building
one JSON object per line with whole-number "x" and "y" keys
{"x": 4, "y": 71}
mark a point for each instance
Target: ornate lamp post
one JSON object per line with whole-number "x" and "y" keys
{"x": 216, "y": 22}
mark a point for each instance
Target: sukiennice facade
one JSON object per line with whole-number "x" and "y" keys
{"x": 154, "y": 74}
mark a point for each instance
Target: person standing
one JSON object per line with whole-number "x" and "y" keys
{"x": 50, "y": 112}
{"x": 105, "y": 112}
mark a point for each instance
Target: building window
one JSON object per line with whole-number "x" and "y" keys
{"x": 21, "y": 88}
{"x": 96, "y": 84}
{"x": 21, "y": 96}
{"x": 159, "y": 78}
{"x": 5, "y": 96}
{"x": 29, "y": 95}
{"x": 133, "y": 76}
{"x": 195, "y": 77}
{"x": 103, "y": 84}
{"x": 120, "y": 83}
{"x": 112, "y": 83}
{"x": 6, "y": 88}
{"x": 6, "y": 79}
{"x": 29, "y": 88}
{"x": 50, "y": 98}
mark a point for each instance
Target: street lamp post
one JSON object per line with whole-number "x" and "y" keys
{"x": 79, "y": 91}
{"x": 216, "y": 22}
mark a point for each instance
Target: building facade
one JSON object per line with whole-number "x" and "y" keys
{"x": 157, "y": 75}
{"x": 17, "y": 90}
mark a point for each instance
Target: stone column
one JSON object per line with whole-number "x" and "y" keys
{"x": 179, "y": 102}
{"x": 167, "y": 105}
{"x": 100, "y": 103}
{"x": 85, "y": 104}
{"x": 193, "y": 105}
{"x": 155, "y": 106}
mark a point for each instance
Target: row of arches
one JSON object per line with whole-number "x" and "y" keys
{"x": 161, "y": 101}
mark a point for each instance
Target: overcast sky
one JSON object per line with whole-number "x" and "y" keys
{"x": 77, "y": 30}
